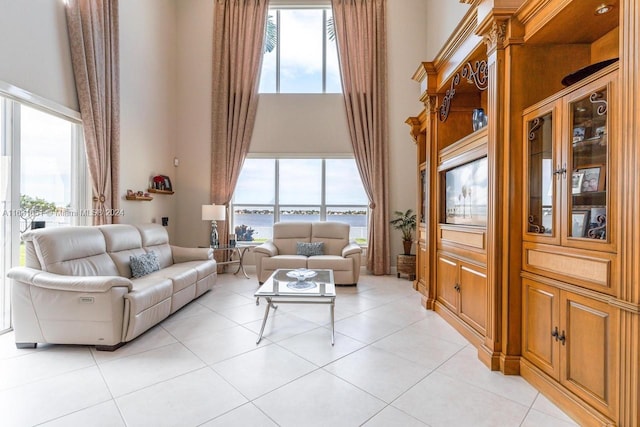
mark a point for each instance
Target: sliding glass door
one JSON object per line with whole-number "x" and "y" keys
{"x": 43, "y": 177}
{"x": 6, "y": 252}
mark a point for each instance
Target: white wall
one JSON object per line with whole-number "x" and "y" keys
{"x": 442, "y": 18}
{"x": 34, "y": 49}
{"x": 193, "y": 136}
{"x": 406, "y": 49}
{"x": 301, "y": 124}
{"x": 147, "y": 106}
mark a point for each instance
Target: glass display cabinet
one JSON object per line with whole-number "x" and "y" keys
{"x": 567, "y": 173}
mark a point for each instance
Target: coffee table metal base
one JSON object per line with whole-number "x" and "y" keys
{"x": 284, "y": 300}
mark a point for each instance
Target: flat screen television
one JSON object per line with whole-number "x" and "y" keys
{"x": 466, "y": 195}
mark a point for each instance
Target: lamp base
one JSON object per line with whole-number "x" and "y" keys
{"x": 214, "y": 241}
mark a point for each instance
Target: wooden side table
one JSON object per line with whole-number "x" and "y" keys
{"x": 406, "y": 264}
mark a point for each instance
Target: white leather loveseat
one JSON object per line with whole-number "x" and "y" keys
{"x": 77, "y": 285}
{"x": 337, "y": 252}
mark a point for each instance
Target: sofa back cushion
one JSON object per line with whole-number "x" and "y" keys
{"x": 155, "y": 238}
{"x": 334, "y": 235}
{"x": 73, "y": 251}
{"x": 286, "y": 236}
{"x": 123, "y": 241}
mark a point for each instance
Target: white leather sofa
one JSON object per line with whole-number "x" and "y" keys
{"x": 339, "y": 254}
{"x": 77, "y": 285}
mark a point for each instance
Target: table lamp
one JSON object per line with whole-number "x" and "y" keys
{"x": 214, "y": 213}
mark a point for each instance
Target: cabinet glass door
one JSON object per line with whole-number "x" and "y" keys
{"x": 588, "y": 151}
{"x": 541, "y": 176}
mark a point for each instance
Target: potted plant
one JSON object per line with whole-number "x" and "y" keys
{"x": 405, "y": 222}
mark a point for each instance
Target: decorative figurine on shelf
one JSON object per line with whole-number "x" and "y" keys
{"x": 479, "y": 119}
{"x": 158, "y": 182}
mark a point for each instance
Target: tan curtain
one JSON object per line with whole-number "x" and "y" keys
{"x": 238, "y": 36}
{"x": 93, "y": 34}
{"x": 362, "y": 51}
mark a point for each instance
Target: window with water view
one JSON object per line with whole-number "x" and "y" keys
{"x": 271, "y": 190}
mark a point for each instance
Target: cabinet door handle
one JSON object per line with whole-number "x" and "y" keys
{"x": 561, "y": 171}
{"x": 557, "y": 172}
{"x": 562, "y": 338}
{"x": 554, "y": 333}
{"x": 457, "y": 287}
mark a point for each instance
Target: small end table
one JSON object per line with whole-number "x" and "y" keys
{"x": 239, "y": 251}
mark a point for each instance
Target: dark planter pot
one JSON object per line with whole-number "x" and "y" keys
{"x": 407, "y": 246}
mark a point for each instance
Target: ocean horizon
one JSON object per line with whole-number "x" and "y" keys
{"x": 263, "y": 223}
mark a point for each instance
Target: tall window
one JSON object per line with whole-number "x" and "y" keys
{"x": 301, "y": 54}
{"x": 286, "y": 189}
{"x": 43, "y": 176}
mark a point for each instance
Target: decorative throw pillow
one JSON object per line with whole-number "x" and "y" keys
{"x": 310, "y": 249}
{"x": 141, "y": 265}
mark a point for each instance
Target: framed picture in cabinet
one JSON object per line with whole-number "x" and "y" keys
{"x": 579, "y": 223}
{"x": 593, "y": 178}
{"x": 576, "y": 182}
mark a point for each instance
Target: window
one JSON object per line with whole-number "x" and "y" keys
{"x": 288, "y": 189}
{"x": 43, "y": 175}
{"x": 301, "y": 54}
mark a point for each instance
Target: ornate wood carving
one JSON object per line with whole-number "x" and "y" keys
{"x": 448, "y": 96}
{"x": 476, "y": 73}
{"x": 415, "y": 124}
{"x": 496, "y": 36}
{"x": 478, "y": 76}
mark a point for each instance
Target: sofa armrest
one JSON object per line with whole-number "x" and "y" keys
{"x": 267, "y": 248}
{"x": 351, "y": 249}
{"x": 43, "y": 279}
{"x": 181, "y": 254}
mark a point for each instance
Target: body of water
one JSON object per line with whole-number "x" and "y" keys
{"x": 263, "y": 224}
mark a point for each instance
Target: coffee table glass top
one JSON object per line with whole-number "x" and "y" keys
{"x": 299, "y": 282}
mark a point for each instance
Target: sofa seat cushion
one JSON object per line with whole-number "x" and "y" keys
{"x": 330, "y": 262}
{"x": 284, "y": 261}
{"x": 149, "y": 291}
{"x": 181, "y": 275}
{"x": 203, "y": 268}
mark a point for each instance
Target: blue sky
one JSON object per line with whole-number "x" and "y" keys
{"x": 301, "y": 33}
{"x": 300, "y": 182}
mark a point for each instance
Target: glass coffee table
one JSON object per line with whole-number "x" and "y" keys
{"x": 299, "y": 286}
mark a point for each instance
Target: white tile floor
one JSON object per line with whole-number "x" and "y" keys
{"x": 393, "y": 364}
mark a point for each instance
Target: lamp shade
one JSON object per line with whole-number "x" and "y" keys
{"x": 213, "y": 212}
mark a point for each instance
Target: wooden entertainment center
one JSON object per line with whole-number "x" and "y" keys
{"x": 529, "y": 226}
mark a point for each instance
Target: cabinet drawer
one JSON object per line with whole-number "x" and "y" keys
{"x": 593, "y": 270}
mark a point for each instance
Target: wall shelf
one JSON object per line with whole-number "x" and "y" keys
{"x": 139, "y": 198}
{"x": 154, "y": 190}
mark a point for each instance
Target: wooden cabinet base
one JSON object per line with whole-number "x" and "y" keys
{"x": 488, "y": 358}
{"x": 573, "y": 406}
